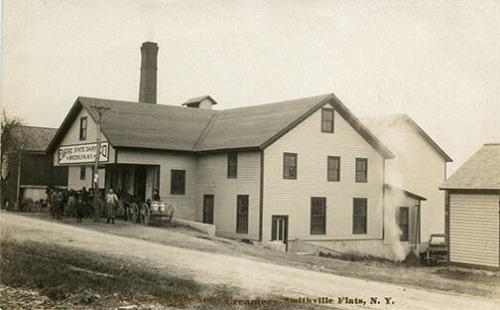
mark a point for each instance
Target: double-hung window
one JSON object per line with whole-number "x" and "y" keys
{"x": 242, "y": 214}
{"x": 333, "y": 168}
{"x": 83, "y": 128}
{"x": 361, "y": 170}
{"x": 178, "y": 182}
{"x": 327, "y": 120}
{"x": 318, "y": 215}
{"x": 290, "y": 166}
{"x": 359, "y": 216}
{"x": 232, "y": 165}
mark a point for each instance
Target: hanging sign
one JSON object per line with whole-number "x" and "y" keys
{"x": 82, "y": 153}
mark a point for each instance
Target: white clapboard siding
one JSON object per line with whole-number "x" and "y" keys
{"x": 212, "y": 180}
{"x": 474, "y": 229}
{"x": 72, "y": 136}
{"x": 185, "y": 204}
{"x": 293, "y": 197}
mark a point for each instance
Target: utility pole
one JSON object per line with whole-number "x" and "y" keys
{"x": 100, "y": 111}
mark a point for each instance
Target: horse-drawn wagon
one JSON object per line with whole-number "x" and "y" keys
{"x": 156, "y": 211}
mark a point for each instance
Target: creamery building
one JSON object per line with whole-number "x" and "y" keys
{"x": 303, "y": 171}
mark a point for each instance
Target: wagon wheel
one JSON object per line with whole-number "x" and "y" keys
{"x": 145, "y": 214}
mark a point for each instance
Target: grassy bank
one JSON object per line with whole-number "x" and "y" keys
{"x": 69, "y": 276}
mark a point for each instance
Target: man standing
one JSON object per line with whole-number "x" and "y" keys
{"x": 111, "y": 203}
{"x": 59, "y": 204}
{"x": 53, "y": 202}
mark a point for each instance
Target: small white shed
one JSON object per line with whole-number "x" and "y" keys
{"x": 473, "y": 210}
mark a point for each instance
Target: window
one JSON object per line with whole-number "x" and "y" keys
{"x": 290, "y": 166}
{"x": 232, "y": 165}
{"x": 403, "y": 220}
{"x": 82, "y": 173}
{"x": 327, "y": 120}
{"x": 83, "y": 128}
{"x": 333, "y": 168}
{"x": 359, "y": 217}
{"x": 178, "y": 182}
{"x": 242, "y": 214}
{"x": 208, "y": 209}
{"x": 318, "y": 216}
{"x": 361, "y": 170}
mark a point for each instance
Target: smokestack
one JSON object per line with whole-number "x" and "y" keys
{"x": 149, "y": 60}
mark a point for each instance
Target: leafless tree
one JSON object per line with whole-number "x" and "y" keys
{"x": 11, "y": 144}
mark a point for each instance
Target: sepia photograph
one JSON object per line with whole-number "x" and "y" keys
{"x": 237, "y": 154}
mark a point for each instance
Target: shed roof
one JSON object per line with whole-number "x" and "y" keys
{"x": 383, "y": 124}
{"x": 480, "y": 172}
{"x": 167, "y": 127}
{"x": 405, "y": 192}
{"x": 35, "y": 139}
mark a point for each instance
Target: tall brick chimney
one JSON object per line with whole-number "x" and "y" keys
{"x": 149, "y": 60}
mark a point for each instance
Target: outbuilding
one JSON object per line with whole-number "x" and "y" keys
{"x": 473, "y": 210}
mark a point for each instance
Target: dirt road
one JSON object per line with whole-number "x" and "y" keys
{"x": 254, "y": 278}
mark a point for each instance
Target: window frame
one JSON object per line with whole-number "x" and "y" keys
{"x": 295, "y": 156}
{"x": 328, "y": 168}
{"x": 242, "y": 217}
{"x": 357, "y": 171}
{"x": 83, "y": 129}
{"x": 321, "y": 228}
{"x": 232, "y": 167}
{"x": 364, "y": 216}
{"x": 83, "y": 173}
{"x": 406, "y": 231}
{"x": 331, "y": 128}
{"x": 173, "y": 189}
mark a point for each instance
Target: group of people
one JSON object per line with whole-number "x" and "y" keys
{"x": 70, "y": 202}
{"x": 82, "y": 202}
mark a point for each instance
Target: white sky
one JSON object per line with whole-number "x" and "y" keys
{"x": 437, "y": 61}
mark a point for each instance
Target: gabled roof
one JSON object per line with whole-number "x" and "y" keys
{"x": 195, "y": 102}
{"x": 481, "y": 171}
{"x": 35, "y": 139}
{"x": 383, "y": 124}
{"x": 166, "y": 127}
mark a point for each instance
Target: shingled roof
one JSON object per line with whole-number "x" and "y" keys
{"x": 167, "y": 127}
{"x": 35, "y": 139}
{"x": 480, "y": 172}
{"x": 384, "y": 124}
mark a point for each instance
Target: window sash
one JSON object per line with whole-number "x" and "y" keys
{"x": 83, "y": 128}
{"x": 232, "y": 165}
{"x": 83, "y": 172}
{"x": 318, "y": 216}
{"x": 327, "y": 120}
{"x": 361, "y": 170}
{"x": 290, "y": 166}
{"x": 403, "y": 222}
{"x": 178, "y": 182}
{"x": 333, "y": 169}
{"x": 242, "y": 214}
{"x": 359, "y": 216}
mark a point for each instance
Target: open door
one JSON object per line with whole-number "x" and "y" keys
{"x": 279, "y": 231}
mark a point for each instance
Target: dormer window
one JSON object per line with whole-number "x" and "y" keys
{"x": 83, "y": 128}
{"x": 327, "y": 120}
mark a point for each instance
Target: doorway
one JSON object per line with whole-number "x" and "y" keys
{"x": 208, "y": 209}
{"x": 279, "y": 231}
